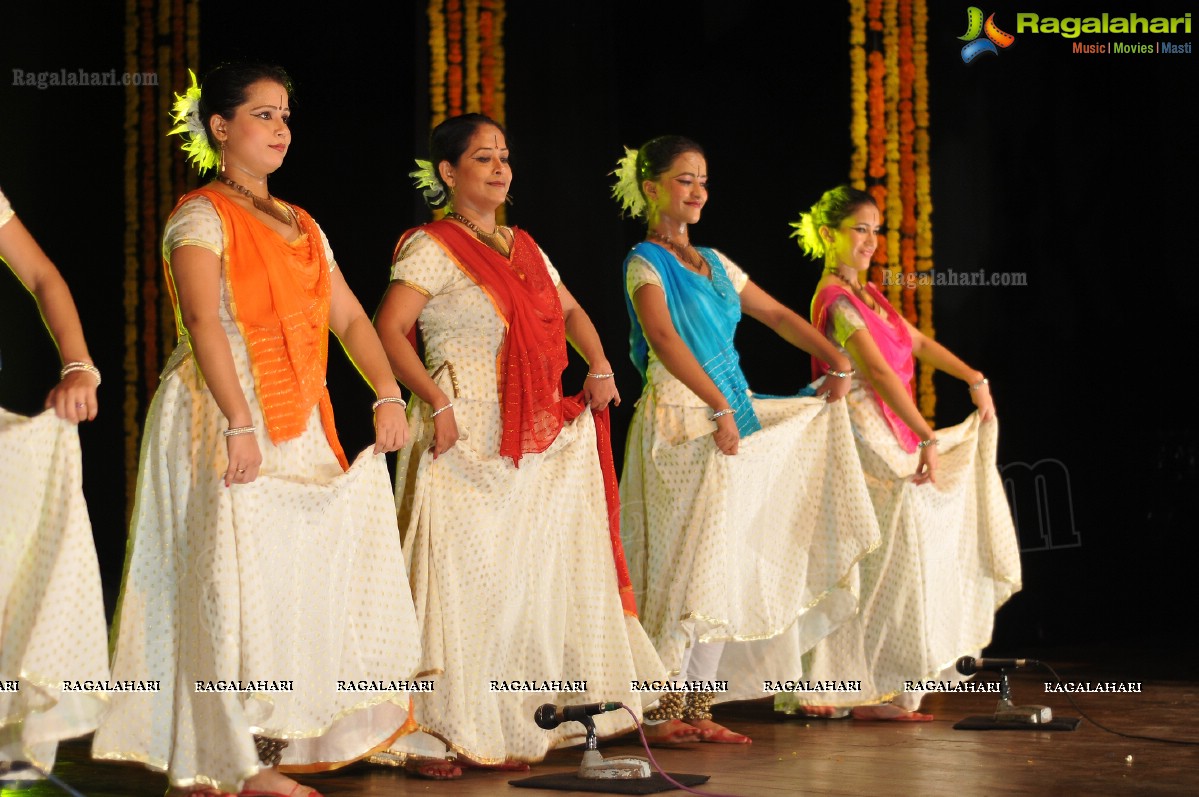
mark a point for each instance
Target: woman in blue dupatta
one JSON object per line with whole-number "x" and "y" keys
{"x": 742, "y": 517}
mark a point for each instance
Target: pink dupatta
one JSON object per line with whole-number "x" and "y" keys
{"x": 893, "y": 342}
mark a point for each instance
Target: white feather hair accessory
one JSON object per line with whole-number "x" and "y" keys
{"x": 427, "y": 182}
{"x": 627, "y": 189}
{"x": 188, "y": 124}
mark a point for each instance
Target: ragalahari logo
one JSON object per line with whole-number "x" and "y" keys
{"x": 974, "y": 28}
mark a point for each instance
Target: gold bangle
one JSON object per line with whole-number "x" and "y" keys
{"x": 437, "y": 412}
{"x": 932, "y": 441}
{"x": 718, "y": 413}
{"x": 599, "y": 376}
{"x": 234, "y": 431}
{"x": 980, "y": 383}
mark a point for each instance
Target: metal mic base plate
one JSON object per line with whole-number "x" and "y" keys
{"x": 596, "y": 767}
{"x": 1034, "y": 715}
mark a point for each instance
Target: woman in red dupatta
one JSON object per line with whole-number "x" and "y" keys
{"x": 949, "y": 556}
{"x": 260, "y": 565}
{"x": 507, "y": 496}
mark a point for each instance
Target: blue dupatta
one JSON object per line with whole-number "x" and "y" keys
{"x": 705, "y": 314}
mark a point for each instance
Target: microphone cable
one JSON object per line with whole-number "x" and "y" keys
{"x": 1103, "y": 727}
{"x": 657, "y": 766}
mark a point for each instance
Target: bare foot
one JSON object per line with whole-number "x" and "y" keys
{"x": 718, "y": 734}
{"x": 273, "y": 783}
{"x": 889, "y": 712}
{"x": 670, "y": 733}
{"x": 433, "y": 768}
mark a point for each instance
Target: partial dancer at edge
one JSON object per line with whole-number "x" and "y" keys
{"x": 949, "y": 557}
{"x": 743, "y": 515}
{"x": 507, "y": 497}
{"x": 52, "y": 624}
{"x": 261, "y": 567}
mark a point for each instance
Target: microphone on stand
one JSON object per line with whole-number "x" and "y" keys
{"x": 593, "y": 766}
{"x": 968, "y": 665}
{"x": 549, "y": 716}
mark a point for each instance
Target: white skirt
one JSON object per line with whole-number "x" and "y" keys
{"x": 53, "y": 634}
{"x": 758, "y": 549}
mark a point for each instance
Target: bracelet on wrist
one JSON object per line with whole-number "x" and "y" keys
{"x": 234, "y": 431}
{"x": 718, "y": 413}
{"x": 599, "y": 376}
{"x": 842, "y": 374}
{"x": 932, "y": 441}
{"x": 79, "y": 365}
{"x": 436, "y": 412}
{"x": 980, "y": 383}
{"x": 389, "y": 400}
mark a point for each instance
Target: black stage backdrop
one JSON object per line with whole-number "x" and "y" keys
{"x": 1074, "y": 170}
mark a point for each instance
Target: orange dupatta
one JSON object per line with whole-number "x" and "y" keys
{"x": 279, "y": 293}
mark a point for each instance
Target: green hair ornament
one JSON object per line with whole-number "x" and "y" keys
{"x": 188, "y": 124}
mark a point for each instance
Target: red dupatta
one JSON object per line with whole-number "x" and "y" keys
{"x": 531, "y": 360}
{"x": 893, "y": 342}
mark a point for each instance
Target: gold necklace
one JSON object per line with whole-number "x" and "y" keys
{"x": 857, "y": 288}
{"x": 497, "y": 240}
{"x": 270, "y": 206}
{"x": 687, "y": 253}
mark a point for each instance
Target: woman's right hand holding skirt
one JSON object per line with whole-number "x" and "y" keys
{"x": 445, "y": 427}
{"x": 727, "y": 436}
{"x": 245, "y": 458}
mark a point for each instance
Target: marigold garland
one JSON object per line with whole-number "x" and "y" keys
{"x": 453, "y": 15}
{"x": 889, "y": 131}
{"x": 471, "y": 46}
{"x": 857, "y": 93}
{"x": 161, "y": 36}
{"x": 466, "y": 60}
{"x": 437, "y": 61}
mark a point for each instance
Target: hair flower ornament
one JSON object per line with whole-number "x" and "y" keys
{"x": 188, "y": 124}
{"x": 627, "y": 189}
{"x": 428, "y": 183}
{"x": 808, "y": 234}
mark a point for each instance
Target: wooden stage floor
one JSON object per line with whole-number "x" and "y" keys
{"x": 792, "y": 756}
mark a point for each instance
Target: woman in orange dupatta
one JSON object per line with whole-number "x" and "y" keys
{"x": 508, "y": 508}
{"x": 261, "y": 564}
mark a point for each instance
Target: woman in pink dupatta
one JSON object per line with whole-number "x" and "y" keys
{"x": 949, "y": 556}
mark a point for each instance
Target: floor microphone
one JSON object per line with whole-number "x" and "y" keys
{"x": 968, "y": 665}
{"x": 549, "y": 716}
